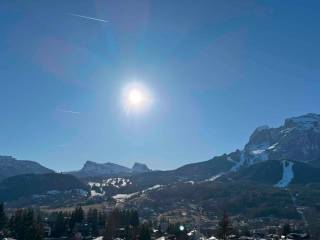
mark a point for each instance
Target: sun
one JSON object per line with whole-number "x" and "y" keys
{"x": 136, "y": 98}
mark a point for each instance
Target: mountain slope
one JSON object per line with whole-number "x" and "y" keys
{"x": 305, "y": 173}
{"x": 268, "y": 172}
{"x": 26, "y": 185}
{"x": 276, "y": 173}
{"x": 190, "y": 172}
{"x": 249, "y": 199}
{"x": 10, "y": 166}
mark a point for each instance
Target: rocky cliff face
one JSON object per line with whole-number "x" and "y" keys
{"x": 140, "y": 168}
{"x": 93, "y": 169}
{"x": 297, "y": 140}
{"x": 99, "y": 169}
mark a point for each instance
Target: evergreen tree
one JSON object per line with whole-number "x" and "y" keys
{"x": 144, "y": 232}
{"x": 224, "y": 228}
{"x": 111, "y": 225}
{"x": 3, "y": 217}
{"x": 109, "y": 231}
{"x": 92, "y": 219}
{"x": 77, "y": 216}
{"x": 60, "y": 225}
{"x": 102, "y": 219}
{"x": 127, "y": 219}
{"x": 24, "y": 226}
{"x": 134, "y": 221}
{"x": 286, "y": 229}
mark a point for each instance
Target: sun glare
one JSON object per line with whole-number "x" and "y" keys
{"x": 136, "y": 98}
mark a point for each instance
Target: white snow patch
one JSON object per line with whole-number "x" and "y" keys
{"x": 111, "y": 182}
{"x": 192, "y": 232}
{"x": 287, "y": 175}
{"x": 231, "y": 160}
{"x": 98, "y": 238}
{"x": 152, "y": 188}
{"x": 122, "y": 197}
{"x": 213, "y": 178}
{"x": 191, "y": 182}
{"x": 91, "y": 184}
{"x": 286, "y": 131}
{"x": 117, "y": 182}
{"x": 273, "y": 146}
{"x": 96, "y": 194}
{"x": 258, "y": 152}
{"x": 161, "y": 238}
{"x": 212, "y": 238}
{"x": 236, "y": 167}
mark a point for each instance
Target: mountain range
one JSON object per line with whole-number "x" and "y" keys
{"x": 277, "y": 157}
{"x": 289, "y": 153}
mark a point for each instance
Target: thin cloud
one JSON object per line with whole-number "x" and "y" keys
{"x": 61, "y": 146}
{"x": 68, "y": 111}
{"x": 88, "y": 18}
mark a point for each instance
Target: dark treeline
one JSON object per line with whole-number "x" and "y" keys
{"x": 24, "y": 224}
{"x": 27, "y": 224}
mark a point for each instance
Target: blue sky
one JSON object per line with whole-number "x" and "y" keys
{"x": 216, "y": 70}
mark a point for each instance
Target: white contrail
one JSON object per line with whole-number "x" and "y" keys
{"x": 90, "y": 18}
{"x": 68, "y": 111}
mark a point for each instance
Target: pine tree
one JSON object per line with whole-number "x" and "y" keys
{"x": 134, "y": 221}
{"x": 110, "y": 230}
{"x": 59, "y": 228}
{"x": 112, "y": 223}
{"x": 286, "y": 229}
{"x": 24, "y": 226}
{"x": 92, "y": 219}
{"x": 77, "y": 216}
{"x": 144, "y": 232}
{"x": 224, "y": 228}
{"x": 102, "y": 219}
{"x": 3, "y": 217}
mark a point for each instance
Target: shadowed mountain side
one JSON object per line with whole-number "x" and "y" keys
{"x": 26, "y": 185}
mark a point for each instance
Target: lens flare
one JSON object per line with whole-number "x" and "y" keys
{"x": 136, "y": 98}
